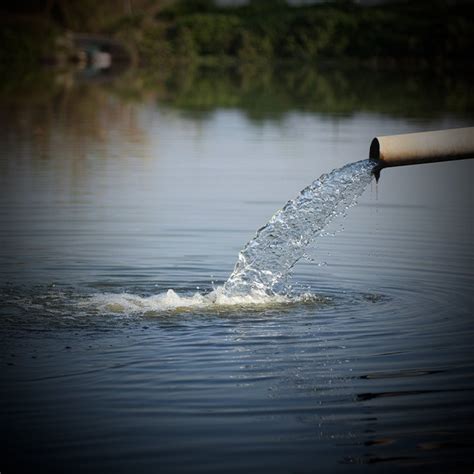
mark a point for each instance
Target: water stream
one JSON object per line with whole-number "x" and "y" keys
{"x": 264, "y": 264}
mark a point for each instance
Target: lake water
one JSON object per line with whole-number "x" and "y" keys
{"x": 116, "y": 190}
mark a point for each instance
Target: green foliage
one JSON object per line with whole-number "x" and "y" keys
{"x": 318, "y": 33}
{"x": 267, "y": 30}
{"x": 212, "y": 34}
{"x": 426, "y": 31}
{"x": 254, "y": 48}
{"x": 152, "y": 44}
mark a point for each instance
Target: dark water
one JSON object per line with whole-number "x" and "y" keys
{"x": 111, "y": 198}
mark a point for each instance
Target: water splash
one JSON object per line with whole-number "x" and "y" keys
{"x": 170, "y": 301}
{"x": 264, "y": 264}
{"x": 43, "y": 305}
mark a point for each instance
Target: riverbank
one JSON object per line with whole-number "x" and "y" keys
{"x": 421, "y": 34}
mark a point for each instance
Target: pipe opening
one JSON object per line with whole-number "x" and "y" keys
{"x": 374, "y": 152}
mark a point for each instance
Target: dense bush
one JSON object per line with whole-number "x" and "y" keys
{"x": 212, "y": 34}
{"x": 273, "y": 29}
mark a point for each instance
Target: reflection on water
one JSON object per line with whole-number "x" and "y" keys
{"x": 113, "y": 193}
{"x": 263, "y": 91}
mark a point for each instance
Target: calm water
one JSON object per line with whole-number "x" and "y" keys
{"x": 114, "y": 193}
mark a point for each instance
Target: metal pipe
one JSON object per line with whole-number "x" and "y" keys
{"x": 425, "y": 147}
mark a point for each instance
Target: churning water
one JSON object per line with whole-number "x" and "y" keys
{"x": 125, "y": 345}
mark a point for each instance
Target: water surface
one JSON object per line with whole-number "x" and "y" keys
{"x": 109, "y": 200}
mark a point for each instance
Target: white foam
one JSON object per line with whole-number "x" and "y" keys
{"x": 127, "y": 303}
